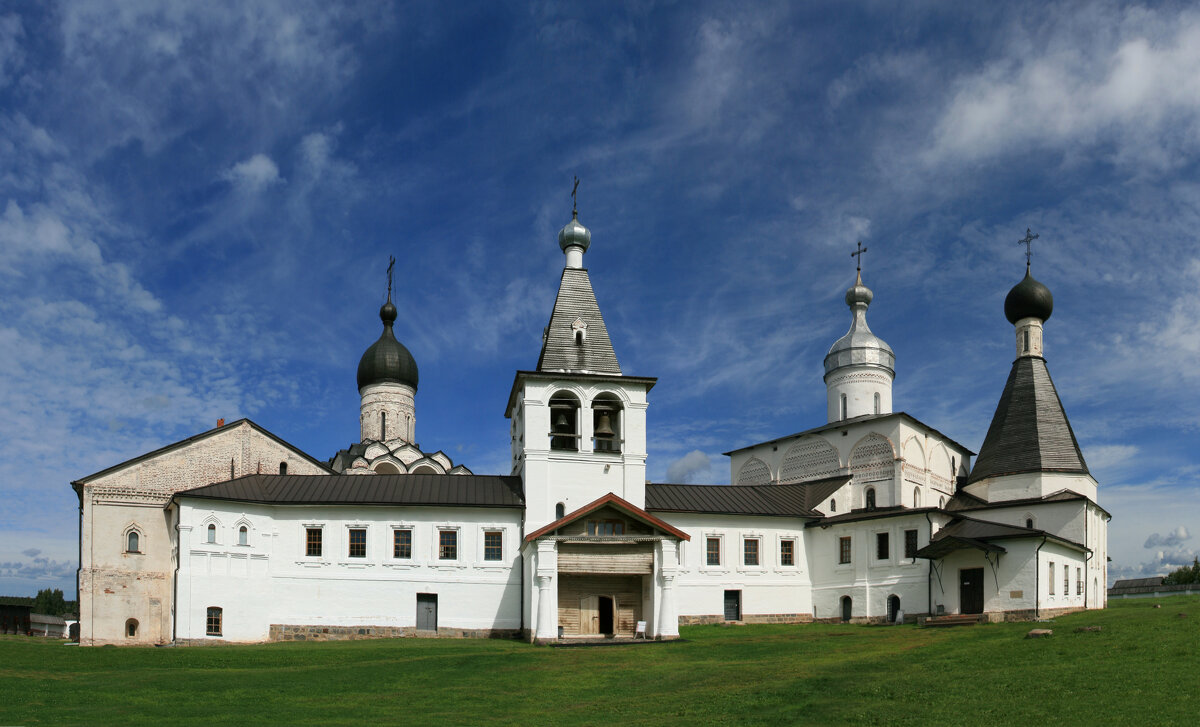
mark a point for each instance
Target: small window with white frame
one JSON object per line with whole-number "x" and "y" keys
{"x": 1051, "y": 579}
{"x": 133, "y": 541}
{"x": 243, "y": 535}
{"x": 402, "y": 543}
{"x": 314, "y": 541}
{"x": 750, "y": 551}
{"x": 213, "y": 621}
{"x": 210, "y": 535}
{"x": 356, "y": 541}
{"x": 844, "y": 552}
{"x": 787, "y": 552}
{"x": 447, "y": 544}
{"x": 493, "y": 544}
{"x": 712, "y": 551}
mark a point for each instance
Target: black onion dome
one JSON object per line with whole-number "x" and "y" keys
{"x": 387, "y": 360}
{"x": 1028, "y": 299}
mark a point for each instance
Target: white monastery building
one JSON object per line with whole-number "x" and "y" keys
{"x": 236, "y": 535}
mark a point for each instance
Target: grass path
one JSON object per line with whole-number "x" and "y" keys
{"x": 1143, "y": 667}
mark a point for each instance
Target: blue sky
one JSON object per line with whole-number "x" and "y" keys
{"x": 198, "y": 200}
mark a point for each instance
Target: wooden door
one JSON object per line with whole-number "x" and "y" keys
{"x": 589, "y": 615}
{"x": 970, "y": 590}
{"x": 427, "y": 612}
{"x": 733, "y": 605}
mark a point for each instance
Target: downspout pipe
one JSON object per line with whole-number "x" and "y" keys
{"x": 1037, "y": 579}
{"x": 929, "y": 572}
{"x": 1090, "y": 553}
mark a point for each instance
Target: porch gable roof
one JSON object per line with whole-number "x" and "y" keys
{"x": 610, "y": 500}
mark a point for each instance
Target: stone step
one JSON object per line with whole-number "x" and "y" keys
{"x": 965, "y": 619}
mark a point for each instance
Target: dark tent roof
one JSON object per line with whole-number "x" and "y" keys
{"x": 418, "y": 489}
{"x": 559, "y": 351}
{"x": 1029, "y": 431}
{"x": 793, "y": 500}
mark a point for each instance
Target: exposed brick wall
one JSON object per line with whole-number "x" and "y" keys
{"x": 750, "y": 618}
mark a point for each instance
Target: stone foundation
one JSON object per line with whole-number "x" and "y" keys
{"x": 292, "y": 632}
{"x": 750, "y": 618}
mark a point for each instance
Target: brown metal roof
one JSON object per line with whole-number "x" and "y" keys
{"x": 853, "y": 420}
{"x": 965, "y": 532}
{"x": 792, "y": 500}
{"x": 415, "y": 489}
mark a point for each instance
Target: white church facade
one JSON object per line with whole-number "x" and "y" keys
{"x": 234, "y": 535}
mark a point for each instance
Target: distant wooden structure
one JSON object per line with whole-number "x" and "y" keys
{"x": 1151, "y": 588}
{"x": 14, "y": 618}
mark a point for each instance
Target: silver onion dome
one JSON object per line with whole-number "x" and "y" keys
{"x": 574, "y": 233}
{"x": 859, "y": 347}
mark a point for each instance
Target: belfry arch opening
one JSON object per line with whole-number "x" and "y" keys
{"x": 606, "y": 423}
{"x": 564, "y": 422}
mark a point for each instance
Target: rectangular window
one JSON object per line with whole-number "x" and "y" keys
{"x": 713, "y": 551}
{"x": 844, "y": 550}
{"x": 358, "y": 543}
{"x": 750, "y": 551}
{"x": 212, "y": 624}
{"x": 787, "y": 552}
{"x": 1051, "y": 578}
{"x": 312, "y": 546}
{"x": 402, "y": 544}
{"x": 1066, "y": 580}
{"x": 605, "y": 527}
{"x": 882, "y": 549}
{"x": 1078, "y": 581}
{"x": 493, "y": 545}
{"x": 448, "y": 545}
{"x": 910, "y": 543}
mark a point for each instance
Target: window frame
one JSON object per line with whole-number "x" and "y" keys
{"x": 845, "y": 550}
{"x": 499, "y": 547}
{"x": 911, "y": 552}
{"x": 396, "y": 530}
{"x": 210, "y": 534}
{"x": 1078, "y": 581}
{"x": 440, "y": 546}
{"x": 133, "y": 532}
{"x": 595, "y": 525}
{"x": 709, "y": 539}
{"x": 883, "y": 544}
{"x": 351, "y": 531}
{"x": 752, "y": 549}
{"x": 214, "y": 615}
{"x": 309, "y": 541}
{"x": 790, "y": 543}
{"x": 1051, "y": 579}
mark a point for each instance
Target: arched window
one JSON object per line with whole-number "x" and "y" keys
{"x": 131, "y": 542}
{"x": 893, "y": 608}
{"x": 1025, "y": 341}
{"x": 941, "y": 502}
{"x": 382, "y": 426}
{"x": 847, "y": 608}
{"x": 560, "y": 511}
{"x": 283, "y": 468}
{"x": 212, "y": 533}
{"x": 564, "y": 422}
{"x": 1030, "y": 521}
{"x": 606, "y": 423}
{"x": 833, "y": 506}
{"x": 243, "y": 535}
{"x": 916, "y": 497}
{"x": 131, "y": 627}
{"x": 843, "y": 406}
{"x": 870, "y": 497}
{"x": 877, "y": 404}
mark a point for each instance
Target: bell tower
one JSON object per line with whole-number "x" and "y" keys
{"x": 578, "y": 423}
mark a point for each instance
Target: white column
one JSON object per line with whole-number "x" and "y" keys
{"x": 547, "y": 610}
{"x": 668, "y": 615}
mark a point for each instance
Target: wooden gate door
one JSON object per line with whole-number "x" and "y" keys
{"x": 427, "y": 612}
{"x": 733, "y": 605}
{"x": 589, "y": 615}
{"x": 970, "y": 590}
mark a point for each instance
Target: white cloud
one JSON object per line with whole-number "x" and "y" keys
{"x": 1134, "y": 88}
{"x": 689, "y": 467}
{"x": 1170, "y": 540}
{"x": 254, "y": 174}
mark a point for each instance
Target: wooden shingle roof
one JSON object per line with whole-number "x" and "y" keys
{"x": 560, "y": 352}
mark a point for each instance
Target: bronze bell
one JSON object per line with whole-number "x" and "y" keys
{"x": 561, "y": 424}
{"x": 604, "y": 426}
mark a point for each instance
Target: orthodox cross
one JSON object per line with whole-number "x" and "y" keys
{"x": 391, "y": 264}
{"x": 1027, "y": 242}
{"x": 574, "y": 199}
{"x": 858, "y": 254}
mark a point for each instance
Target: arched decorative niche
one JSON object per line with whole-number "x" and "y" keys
{"x": 387, "y": 468}
{"x": 131, "y": 628}
{"x": 810, "y": 458}
{"x": 754, "y": 472}
{"x": 872, "y": 459}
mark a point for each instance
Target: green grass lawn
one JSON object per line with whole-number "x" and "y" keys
{"x": 1142, "y": 668}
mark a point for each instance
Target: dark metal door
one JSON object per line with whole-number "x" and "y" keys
{"x": 427, "y": 612}
{"x": 970, "y": 590}
{"x": 733, "y": 605}
{"x": 847, "y": 608}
